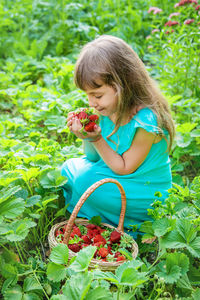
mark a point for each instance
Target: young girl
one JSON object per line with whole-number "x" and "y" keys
{"x": 132, "y": 142}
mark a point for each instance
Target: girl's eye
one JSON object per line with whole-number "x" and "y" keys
{"x": 98, "y": 97}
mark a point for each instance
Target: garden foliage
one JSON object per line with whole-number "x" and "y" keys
{"x": 39, "y": 42}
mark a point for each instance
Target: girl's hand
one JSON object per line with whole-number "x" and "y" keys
{"x": 75, "y": 126}
{"x": 69, "y": 119}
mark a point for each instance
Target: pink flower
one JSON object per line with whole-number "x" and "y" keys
{"x": 148, "y": 37}
{"x": 171, "y": 23}
{"x": 155, "y": 10}
{"x": 183, "y": 2}
{"x": 155, "y": 30}
{"x": 188, "y": 21}
{"x": 174, "y": 14}
{"x": 197, "y": 7}
{"x": 168, "y": 31}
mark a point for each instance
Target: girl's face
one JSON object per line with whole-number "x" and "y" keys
{"x": 104, "y": 100}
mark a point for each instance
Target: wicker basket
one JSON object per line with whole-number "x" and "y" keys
{"x": 108, "y": 266}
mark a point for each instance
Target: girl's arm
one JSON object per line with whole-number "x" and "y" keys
{"x": 130, "y": 160}
{"x": 123, "y": 164}
{"x": 90, "y": 151}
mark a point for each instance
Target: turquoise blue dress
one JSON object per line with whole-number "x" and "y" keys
{"x": 153, "y": 175}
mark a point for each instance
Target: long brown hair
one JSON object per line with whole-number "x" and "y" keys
{"x": 110, "y": 60}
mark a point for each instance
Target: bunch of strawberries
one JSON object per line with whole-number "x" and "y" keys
{"x": 87, "y": 118}
{"x": 109, "y": 242}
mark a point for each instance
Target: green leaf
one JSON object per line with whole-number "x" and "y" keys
{"x": 183, "y": 141}
{"x": 98, "y": 274}
{"x": 184, "y": 283}
{"x": 56, "y": 272}
{"x": 33, "y": 200}
{"x": 83, "y": 259}
{"x": 74, "y": 291}
{"x": 58, "y": 297}
{"x": 179, "y": 259}
{"x": 12, "y": 208}
{"x": 31, "y": 296}
{"x": 194, "y": 248}
{"x": 186, "y": 127}
{"x": 96, "y": 220}
{"x": 186, "y": 230}
{"x": 52, "y": 179}
{"x": 132, "y": 277}
{"x": 196, "y": 294}
{"x": 31, "y": 284}
{"x": 17, "y": 230}
{"x": 7, "y": 194}
{"x": 172, "y": 240}
{"x": 147, "y": 227}
{"x": 8, "y": 270}
{"x": 99, "y": 293}
{"x": 160, "y": 227}
{"x": 170, "y": 273}
{"x": 60, "y": 254}
{"x": 11, "y": 281}
{"x": 14, "y": 292}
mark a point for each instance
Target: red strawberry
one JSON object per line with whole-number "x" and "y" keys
{"x": 95, "y": 232}
{"x": 90, "y": 126}
{"x": 104, "y": 259}
{"x": 98, "y": 244}
{"x": 86, "y": 239}
{"x": 103, "y": 252}
{"x": 115, "y": 236}
{"x": 58, "y": 232}
{"x": 76, "y": 231}
{"x": 90, "y": 234}
{"x": 117, "y": 254}
{"x": 82, "y": 115}
{"x": 121, "y": 258}
{"x": 99, "y": 238}
{"x": 91, "y": 226}
{"x": 74, "y": 247}
{"x": 110, "y": 249}
{"x": 93, "y": 118}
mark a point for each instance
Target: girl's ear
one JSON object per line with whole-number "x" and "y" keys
{"x": 116, "y": 88}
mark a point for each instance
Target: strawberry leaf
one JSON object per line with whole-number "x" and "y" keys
{"x": 72, "y": 290}
{"x": 83, "y": 259}
{"x": 60, "y": 254}
{"x": 99, "y": 293}
{"x": 170, "y": 273}
{"x": 161, "y": 227}
{"x": 96, "y": 220}
{"x": 56, "y": 272}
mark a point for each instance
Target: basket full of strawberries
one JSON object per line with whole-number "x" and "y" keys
{"x": 113, "y": 245}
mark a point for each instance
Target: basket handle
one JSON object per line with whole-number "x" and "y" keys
{"x": 84, "y": 197}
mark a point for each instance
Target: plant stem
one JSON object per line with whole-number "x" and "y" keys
{"x": 34, "y": 273}
{"x": 21, "y": 258}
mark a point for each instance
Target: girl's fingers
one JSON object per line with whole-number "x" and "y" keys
{"x": 76, "y": 125}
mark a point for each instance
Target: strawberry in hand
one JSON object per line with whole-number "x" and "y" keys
{"x": 90, "y": 126}
{"x": 87, "y": 118}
